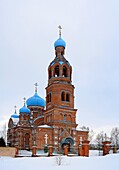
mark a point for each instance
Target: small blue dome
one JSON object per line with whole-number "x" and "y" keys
{"x": 24, "y": 109}
{"x": 35, "y": 100}
{"x": 15, "y": 115}
{"x": 59, "y": 42}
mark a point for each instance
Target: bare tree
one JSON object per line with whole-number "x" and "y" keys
{"x": 115, "y": 137}
{"x": 99, "y": 139}
{"x": 59, "y": 160}
{"x": 91, "y": 135}
{"x": 91, "y": 139}
{"x": 2, "y": 142}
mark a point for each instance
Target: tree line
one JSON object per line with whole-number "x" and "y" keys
{"x": 96, "y": 141}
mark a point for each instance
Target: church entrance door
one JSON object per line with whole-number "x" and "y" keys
{"x": 67, "y": 141}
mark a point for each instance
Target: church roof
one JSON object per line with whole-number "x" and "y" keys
{"x": 44, "y": 126}
{"x": 35, "y": 100}
{"x": 15, "y": 115}
{"x": 24, "y": 109}
{"x": 59, "y": 43}
{"x": 61, "y": 60}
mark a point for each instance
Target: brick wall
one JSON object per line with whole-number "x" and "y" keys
{"x": 7, "y": 151}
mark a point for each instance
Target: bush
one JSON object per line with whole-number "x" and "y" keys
{"x": 45, "y": 149}
{"x": 2, "y": 142}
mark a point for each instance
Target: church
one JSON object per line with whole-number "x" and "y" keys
{"x": 51, "y": 122}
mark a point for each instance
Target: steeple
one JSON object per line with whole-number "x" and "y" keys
{"x": 60, "y": 42}
{"x": 15, "y": 113}
{"x": 60, "y": 91}
{"x": 24, "y": 109}
{"x": 35, "y": 100}
{"x": 59, "y": 68}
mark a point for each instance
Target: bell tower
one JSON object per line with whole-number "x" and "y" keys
{"x": 60, "y": 110}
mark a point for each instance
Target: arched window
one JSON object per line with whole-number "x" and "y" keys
{"x": 67, "y": 97}
{"x": 50, "y": 97}
{"x": 65, "y": 118}
{"x": 63, "y": 96}
{"x": 70, "y": 75}
{"x": 64, "y": 71}
{"x": 27, "y": 139}
{"x": 69, "y": 118}
{"x": 50, "y": 74}
{"x": 61, "y": 130}
{"x": 56, "y": 71}
{"x": 25, "y": 117}
{"x": 39, "y": 111}
{"x": 47, "y": 98}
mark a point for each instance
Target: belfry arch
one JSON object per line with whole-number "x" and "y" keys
{"x": 56, "y": 71}
{"x": 64, "y": 72}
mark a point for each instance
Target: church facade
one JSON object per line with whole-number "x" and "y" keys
{"x": 50, "y": 122}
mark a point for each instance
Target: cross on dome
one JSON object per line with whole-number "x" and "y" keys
{"x": 15, "y": 108}
{"x": 59, "y": 42}
{"x": 36, "y": 85}
{"x": 24, "y": 100}
{"x": 14, "y": 116}
{"x": 59, "y": 30}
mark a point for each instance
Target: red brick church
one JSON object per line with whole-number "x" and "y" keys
{"x": 50, "y": 122}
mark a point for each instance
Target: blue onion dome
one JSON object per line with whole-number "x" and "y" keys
{"x": 59, "y": 43}
{"x": 35, "y": 100}
{"x": 14, "y": 116}
{"x": 24, "y": 109}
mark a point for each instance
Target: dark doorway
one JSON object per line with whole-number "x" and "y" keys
{"x": 66, "y": 144}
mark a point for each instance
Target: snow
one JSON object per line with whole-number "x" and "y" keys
{"x": 15, "y": 120}
{"x": 82, "y": 129}
{"x": 41, "y": 153}
{"x": 29, "y": 153}
{"x": 109, "y": 162}
{"x": 95, "y": 153}
{"x": 45, "y": 126}
{"x": 24, "y": 153}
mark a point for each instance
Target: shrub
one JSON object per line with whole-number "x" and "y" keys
{"x": 2, "y": 142}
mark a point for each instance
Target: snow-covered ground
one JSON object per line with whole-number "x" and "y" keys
{"x": 109, "y": 162}
{"x": 41, "y": 153}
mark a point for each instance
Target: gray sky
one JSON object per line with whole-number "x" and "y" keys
{"x": 28, "y": 29}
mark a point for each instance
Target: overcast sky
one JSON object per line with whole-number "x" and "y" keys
{"x": 28, "y": 29}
